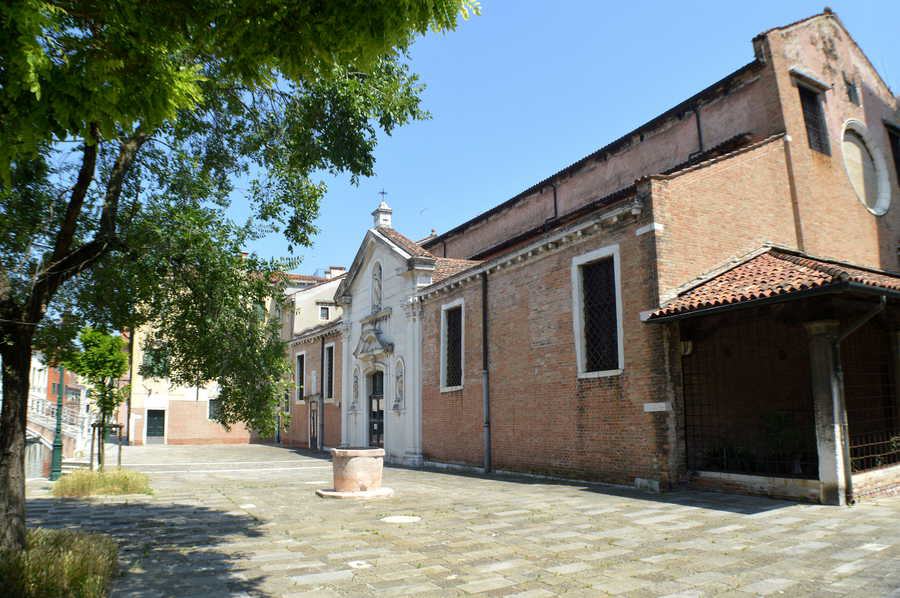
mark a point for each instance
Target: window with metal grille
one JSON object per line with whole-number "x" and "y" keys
{"x": 300, "y": 376}
{"x": 601, "y": 342}
{"x": 894, "y": 136}
{"x": 814, "y": 117}
{"x": 324, "y": 312}
{"x": 453, "y": 346}
{"x": 329, "y": 372}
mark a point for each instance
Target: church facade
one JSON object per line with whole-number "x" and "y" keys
{"x": 712, "y": 299}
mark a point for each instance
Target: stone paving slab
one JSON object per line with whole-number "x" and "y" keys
{"x": 245, "y": 521}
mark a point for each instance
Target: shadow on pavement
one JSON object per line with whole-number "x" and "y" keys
{"x": 164, "y": 550}
{"x": 717, "y": 501}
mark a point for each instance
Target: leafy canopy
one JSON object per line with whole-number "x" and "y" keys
{"x": 128, "y": 127}
{"x": 102, "y": 360}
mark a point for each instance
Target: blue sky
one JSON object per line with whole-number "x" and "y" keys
{"x": 532, "y": 86}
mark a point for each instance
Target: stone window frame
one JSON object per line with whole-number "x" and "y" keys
{"x": 805, "y": 82}
{"x": 459, "y": 302}
{"x": 326, "y": 384}
{"x": 883, "y": 200}
{"x": 326, "y": 309}
{"x": 578, "y": 309}
{"x": 298, "y": 391}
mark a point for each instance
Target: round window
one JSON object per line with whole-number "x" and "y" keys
{"x": 865, "y": 168}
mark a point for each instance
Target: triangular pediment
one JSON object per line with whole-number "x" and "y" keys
{"x": 371, "y": 344}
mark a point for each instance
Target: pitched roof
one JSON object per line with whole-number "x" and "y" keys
{"x": 403, "y": 242}
{"x": 445, "y": 267}
{"x": 773, "y": 273}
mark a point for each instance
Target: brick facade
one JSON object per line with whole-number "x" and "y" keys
{"x": 684, "y": 222}
{"x": 298, "y": 432}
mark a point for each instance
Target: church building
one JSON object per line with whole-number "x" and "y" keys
{"x": 711, "y": 300}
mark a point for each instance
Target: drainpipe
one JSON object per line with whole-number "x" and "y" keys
{"x": 696, "y": 111}
{"x": 845, "y": 428}
{"x": 320, "y": 420}
{"x": 555, "y": 204}
{"x": 485, "y": 377}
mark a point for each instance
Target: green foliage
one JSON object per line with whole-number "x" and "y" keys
{"x": 81, "y": 483}
{"x": 127, "y": 129}
{"x": 60, "y": 563}
{"x": 102, "y": 360}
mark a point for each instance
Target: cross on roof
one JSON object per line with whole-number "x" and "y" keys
{"x": 382, "y": 193}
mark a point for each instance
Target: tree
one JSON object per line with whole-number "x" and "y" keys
{"x": 126, "y": 127}
{"x": 102, "y": 361}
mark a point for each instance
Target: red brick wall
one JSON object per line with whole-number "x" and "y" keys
{"x": 187, "y": 423}
{"x": 723, "y": 210}
{"x": 544, "y": 419}
{"x": 834, "y": 221}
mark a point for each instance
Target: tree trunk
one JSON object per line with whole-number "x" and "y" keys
{"x": 16, "y": 371}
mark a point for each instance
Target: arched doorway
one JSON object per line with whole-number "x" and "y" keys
{"x": 376, "y": 409}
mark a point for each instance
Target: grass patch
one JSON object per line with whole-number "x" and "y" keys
{"x": 60, "y": 563}
{"x": 113, "y": 481}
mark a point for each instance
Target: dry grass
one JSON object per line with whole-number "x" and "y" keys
{"x": 89, "y": 483}
{"x": 60, "y": 563}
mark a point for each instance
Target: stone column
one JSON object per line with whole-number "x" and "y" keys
{"x": 895, "y": 352}
{"x": 830, "y": 413}
{"x": 347, "y": 387}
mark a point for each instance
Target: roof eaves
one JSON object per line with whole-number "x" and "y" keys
{"x": 707, "y": 93}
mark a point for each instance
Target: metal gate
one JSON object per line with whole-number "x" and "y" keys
{"x": 376, "y": 410}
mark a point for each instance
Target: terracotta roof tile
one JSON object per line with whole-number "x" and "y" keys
{"x": 445, "y": 267}
{"x": 772, "y": 273}
{"x": 403, "y": 242}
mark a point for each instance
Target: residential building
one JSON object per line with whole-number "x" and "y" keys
{"x": 315, "y": 352}
{"x": 712, "y": 299}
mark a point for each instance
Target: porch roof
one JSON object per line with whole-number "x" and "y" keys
{"x": 774, "y": 274}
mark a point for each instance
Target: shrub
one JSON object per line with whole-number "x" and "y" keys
{"x": 88, "y": 483}
{"x": 60, "y": 563}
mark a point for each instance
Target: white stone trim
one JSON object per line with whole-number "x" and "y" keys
{"x": 461, "y": 303}
{"x": 655, "y": 407}
{"x": 578, "y": 308}
{"x": 883, "y": 201}
{"x": 653, "y": 226}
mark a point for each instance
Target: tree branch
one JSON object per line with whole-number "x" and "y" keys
{"x": 73, "y": 210}
{"x": 127, "y": 152}
{"x": 75, "y": 261}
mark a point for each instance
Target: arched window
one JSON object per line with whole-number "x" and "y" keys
{"x": 376, "y": 288}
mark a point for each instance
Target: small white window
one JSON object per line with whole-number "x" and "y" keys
{"x": 597, "y": 313}
{"x": 452, "y": 345}
{"x": 324, "y": 312}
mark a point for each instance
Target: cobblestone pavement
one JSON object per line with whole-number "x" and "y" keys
{"x": 244, "y": 520}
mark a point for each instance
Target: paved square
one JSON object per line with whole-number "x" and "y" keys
{"x": 245, "y": 520}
